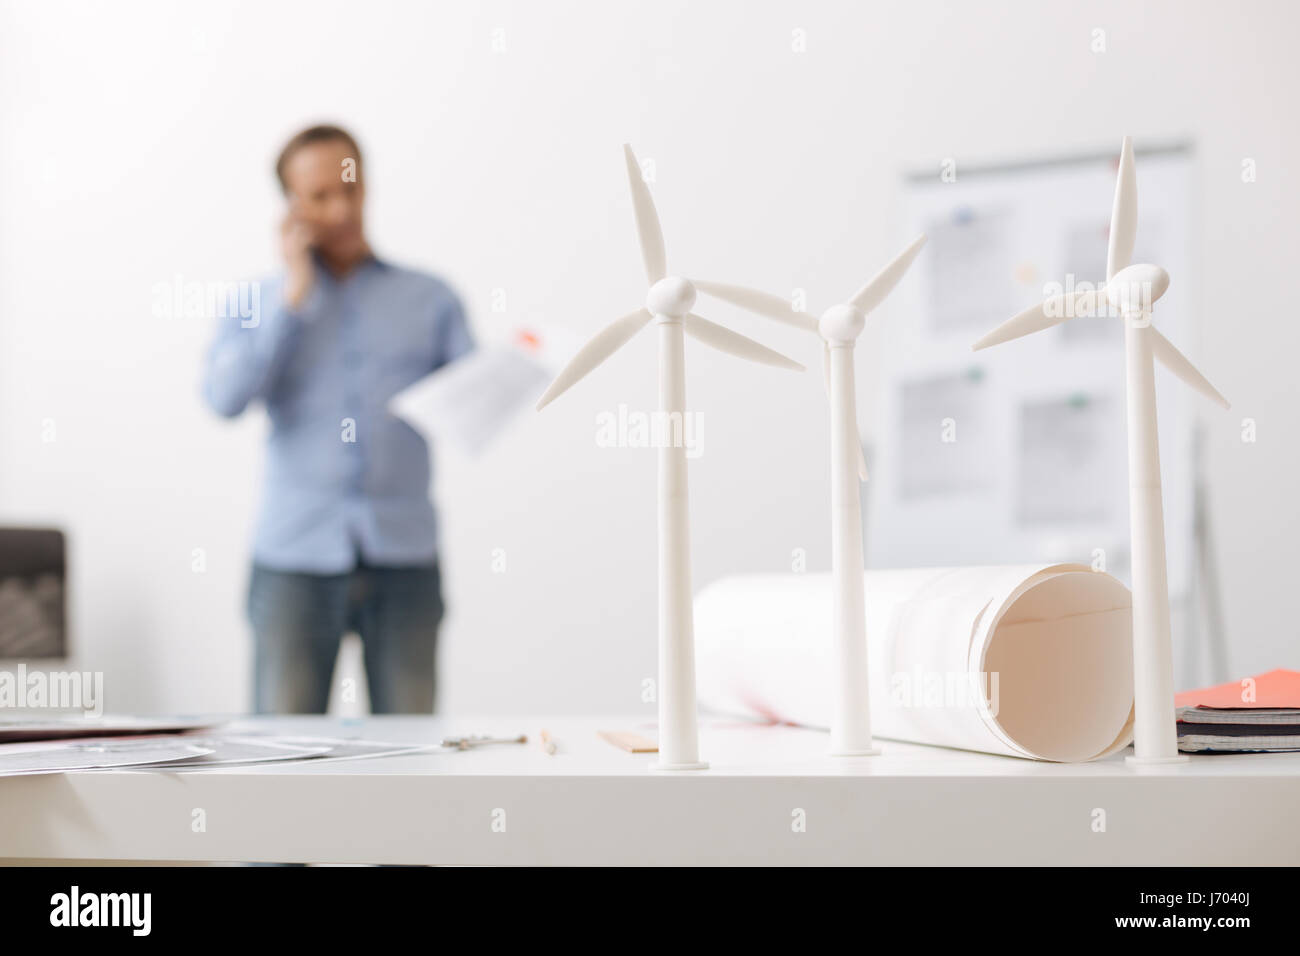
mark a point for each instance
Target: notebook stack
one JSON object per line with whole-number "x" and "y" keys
{"x": 1253, "y": 715}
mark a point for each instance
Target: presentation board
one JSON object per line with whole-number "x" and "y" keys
{"x": 1019, "y": 453}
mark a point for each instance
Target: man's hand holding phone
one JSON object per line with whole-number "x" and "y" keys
{"x": 296, "y": 240}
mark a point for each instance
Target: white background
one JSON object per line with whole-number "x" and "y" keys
{"x": 136, "y": 141}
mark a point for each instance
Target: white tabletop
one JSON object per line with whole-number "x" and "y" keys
{"x": 770, "y": 796}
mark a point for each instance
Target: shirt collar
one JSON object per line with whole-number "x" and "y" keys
{"x": 369, "y": 263}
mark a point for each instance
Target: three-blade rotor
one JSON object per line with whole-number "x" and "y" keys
{"x": 1119, "y": 255}
{"x": 854, "y": 312}
{"x": 672, "y": 298}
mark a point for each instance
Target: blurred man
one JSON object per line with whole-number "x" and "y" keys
{"x": 346, "y": 540}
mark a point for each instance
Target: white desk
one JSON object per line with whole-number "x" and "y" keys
{"x": 594, "y": 804}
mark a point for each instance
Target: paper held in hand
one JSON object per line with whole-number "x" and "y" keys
{"x": 469, "y": 403}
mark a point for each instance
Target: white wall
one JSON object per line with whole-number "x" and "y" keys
{"x": 135, "y": 144}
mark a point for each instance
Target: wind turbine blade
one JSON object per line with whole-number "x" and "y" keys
{"x": 1052, "y": 311}
{"x": 1124, "y": 214}
{"x": 601, "y": 346}
{"x": 647, "y": 220}
{"x": 733, "y": 343}
{"x": 874, "y": 292}
{"x": 1178, "y": 363}
{"x": 761, "y": 303}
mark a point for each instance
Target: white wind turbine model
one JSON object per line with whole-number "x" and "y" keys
{"x": 1132, "y": 290}
{"x": 668, "y": 305}
{"x": 839, "y": 328}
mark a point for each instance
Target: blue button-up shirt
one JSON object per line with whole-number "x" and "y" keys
{"x": 345, "y": 479}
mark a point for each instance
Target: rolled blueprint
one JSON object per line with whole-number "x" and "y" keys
{"x": 1029, "y": 661}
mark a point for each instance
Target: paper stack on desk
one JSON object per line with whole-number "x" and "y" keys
{"x": 33, "y": 726}
{"x": 1255, "y": 715}
{"x": 64, "y": 744}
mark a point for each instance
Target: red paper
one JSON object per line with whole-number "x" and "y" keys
{"x": 1279, "y": 688}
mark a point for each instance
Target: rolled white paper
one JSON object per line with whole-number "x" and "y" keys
{"x": 1029, "y": 661}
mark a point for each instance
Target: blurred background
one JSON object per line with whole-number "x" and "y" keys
{"x": 792, "y": 146}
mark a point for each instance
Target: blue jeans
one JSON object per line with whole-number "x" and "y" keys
{"x": 299, "y": 621}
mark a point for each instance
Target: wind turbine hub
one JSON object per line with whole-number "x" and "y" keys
{"x": 672, "y": 296}
{"x": 841, "y": 323}
{"x": 1137, "y": 287}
